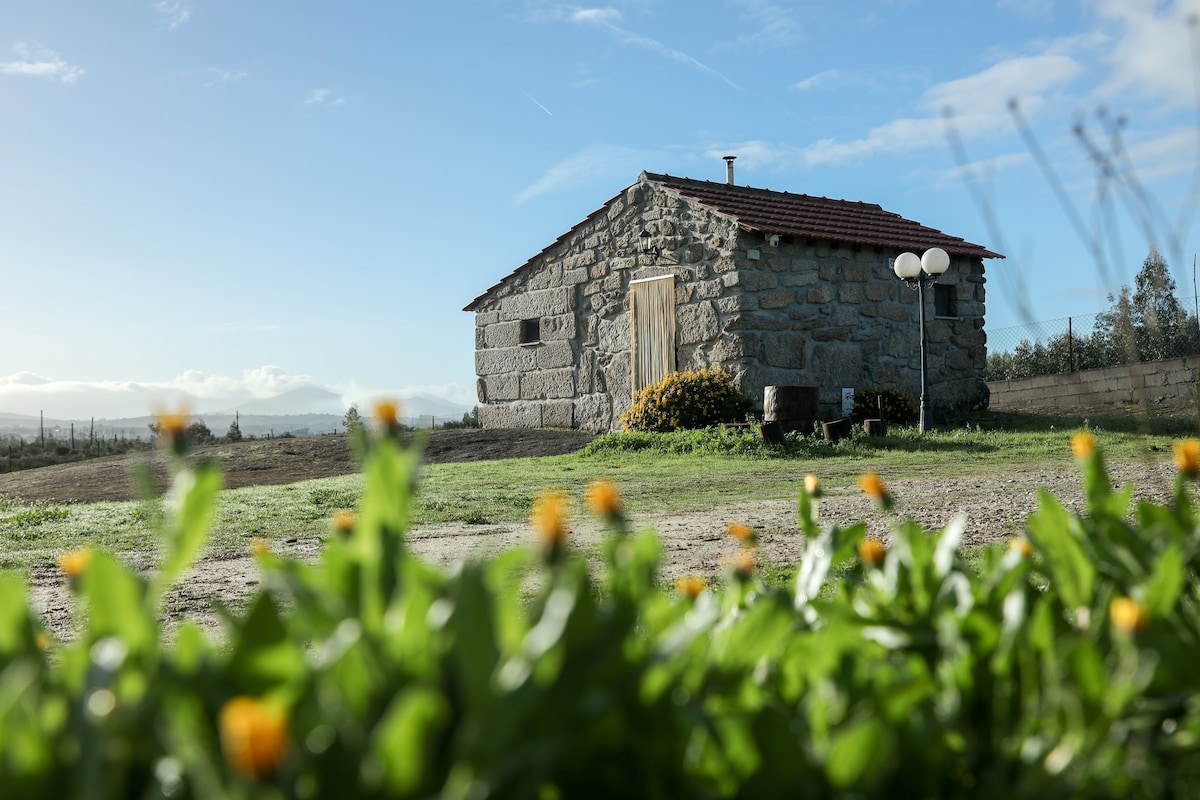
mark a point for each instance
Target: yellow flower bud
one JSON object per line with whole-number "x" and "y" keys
{"x": 742, "y": 533}
{"x": 1128, "y": 615}
{"x": 1187, "y": 456}
{"x": 549, "y": 520}
{"x": 75, "y": 562}
{"x": 254, "y": 736}
{"x": 690, "y": 586}
{"x": 604, "y": 499}
{"x": 812, "y": 485}
{"x": 871, "y": 551}
{"x": 1083, "y": 444}
{"x": 387, "y": 413}
{"x": 873, "y": 486}
{"x": 1022, "y": 546}
{"x": 343, "y": 522}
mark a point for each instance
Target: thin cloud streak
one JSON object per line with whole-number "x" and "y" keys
{"x": 38, "y": 62}
{"x": 176, "y": 12}
{"x": 533, "y": 100}
{"x": 606, "y": 19}
{"x": 323, "y": 97}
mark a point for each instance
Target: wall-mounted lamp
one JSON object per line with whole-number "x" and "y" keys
{"x": 645, "y": 246}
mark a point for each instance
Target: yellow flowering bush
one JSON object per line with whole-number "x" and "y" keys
{"x": 687, "y": 400}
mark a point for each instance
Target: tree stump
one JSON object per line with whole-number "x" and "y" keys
{"x": 875, "y": 427}
{"x": 837, "y": 429}
{"x": 784, "y": 403}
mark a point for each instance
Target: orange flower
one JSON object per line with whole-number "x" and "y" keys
{"x": 874, "y": 487}
{"x": 171, "y": 427}
{"x": 549, "y": 520}
{"x": 387, "y": 413}
{"x": 1022, "y": 546}
{"x": 1187, "y": 456}
{"x": 690, "y": 586}
{"x": 604, "y": 499}
{"x": 742, "y": 533}
{"x": 343, "y": 522}
{"x": 744, "y": 562}
{"x": 75, "y": 562}
{"x": 259, "y": 548}
{"x": 1128, "y": 615}
{"x": 812, "y": 485}
{"x": 871, "y": 551}
{"x": 254, "y": 736}
{"x": 1083, "y": 444}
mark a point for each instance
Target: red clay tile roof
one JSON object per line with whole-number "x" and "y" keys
{"x": 821, "y": 218}
{"x": 787, "y": 214}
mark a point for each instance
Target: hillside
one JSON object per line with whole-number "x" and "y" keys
{"x": 264, "y": 462}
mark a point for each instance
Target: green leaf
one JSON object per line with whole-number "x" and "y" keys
{"x": 116, "y": 604}
{"x": 475, "y": 651}
{"x": 16, "y": 627}
{"x": 191, "y": 504}
{"x": 264, "y": 656}
{"x": 1165, "y": 583}
{"x": 1058, "y": 535}
{"x": 404, "y": 739}
{"x": 857, "y": 755}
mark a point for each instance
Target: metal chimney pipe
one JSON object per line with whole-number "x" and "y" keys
{"x": 729, "y": 169}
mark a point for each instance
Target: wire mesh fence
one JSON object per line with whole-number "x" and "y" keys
{"x": 1088, "y": 341}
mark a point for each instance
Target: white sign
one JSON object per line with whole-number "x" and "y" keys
{"x": 847, "y": 402}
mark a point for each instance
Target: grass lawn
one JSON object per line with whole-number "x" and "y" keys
{"x": 662, "y": 472}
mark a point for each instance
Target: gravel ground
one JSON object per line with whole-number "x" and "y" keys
{"x": 694, "y": 543}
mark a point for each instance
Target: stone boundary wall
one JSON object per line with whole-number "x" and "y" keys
{"x": 1166, "y": 387}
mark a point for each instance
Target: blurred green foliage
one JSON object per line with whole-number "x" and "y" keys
{"x": 1062, "y": 666}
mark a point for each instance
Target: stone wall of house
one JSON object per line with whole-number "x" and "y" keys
{"x": 785, "y": 312}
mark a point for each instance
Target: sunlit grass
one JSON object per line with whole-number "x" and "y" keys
{"x": 657, "y": 473}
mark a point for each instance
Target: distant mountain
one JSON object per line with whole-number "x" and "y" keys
{"x": 306, "y": 400}
{"x": 427, "y": 405}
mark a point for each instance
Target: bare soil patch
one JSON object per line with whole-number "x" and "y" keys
{"x": 271, "y": 462}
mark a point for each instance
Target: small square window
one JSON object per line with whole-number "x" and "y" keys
{"x": 531, "y": 331}
{"x": 943, "y": 301}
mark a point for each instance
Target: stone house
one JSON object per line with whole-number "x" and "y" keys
{"x": 675, "y": 274}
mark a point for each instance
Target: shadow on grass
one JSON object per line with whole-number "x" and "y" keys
{"x": 1017, "y": 422}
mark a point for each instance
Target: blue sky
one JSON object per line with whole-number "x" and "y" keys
{"x": 230, "y": 199}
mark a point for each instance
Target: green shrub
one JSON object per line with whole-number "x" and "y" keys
{"x": 1062, "y": 666}
{"x": 686, "y": 400}
{"x": 898, "y": 406}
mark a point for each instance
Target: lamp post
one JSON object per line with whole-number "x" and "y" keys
{"x": 909, "y": 269}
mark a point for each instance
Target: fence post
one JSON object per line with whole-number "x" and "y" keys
{"x": 1070, "y": 345}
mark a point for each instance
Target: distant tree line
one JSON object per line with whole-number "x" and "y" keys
{"x": 49, "y": 448}
{"x": 1147, "y": 323}
{"x": 353, "y": 421}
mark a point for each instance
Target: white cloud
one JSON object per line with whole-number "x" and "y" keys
{"x": 225, "y": 76}
{"x": 176, "y": 12}
{"x": 818, "y": 79}
{"x": 775, "y": 26}
{"x": 201, "y": 392}
{"x": 323, "y": 97}
{"x": 1152, "y": 52}
{"x": 38, "y": 62}
{"x": 607, "y": 18}
{"x": 978, "y": 103}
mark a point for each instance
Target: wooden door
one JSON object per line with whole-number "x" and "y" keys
{"x": 652, "y": 329}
